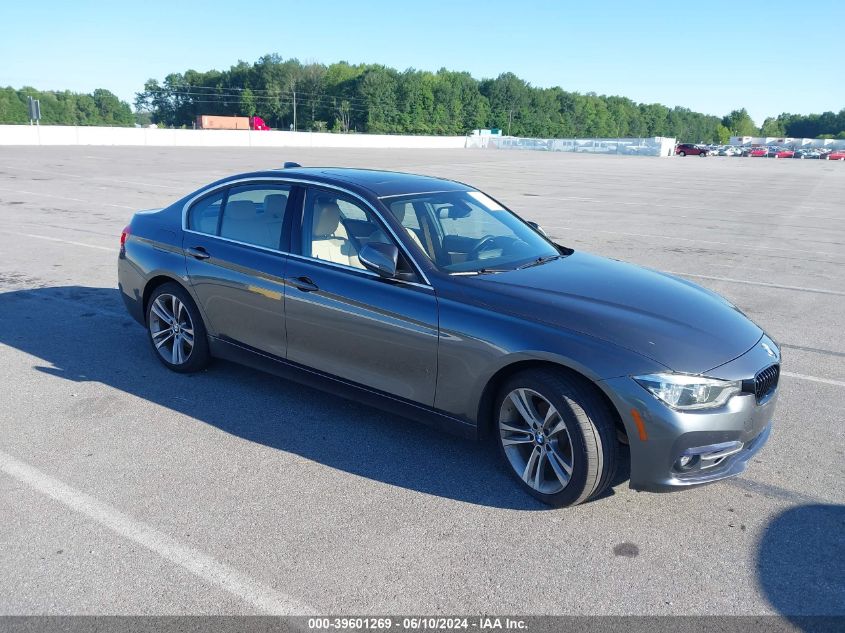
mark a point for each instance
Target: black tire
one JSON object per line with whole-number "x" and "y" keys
{"x": 703, "y": 154}
{"x": 682, "y": 153}
{"x": 199, "y": 356}
{"x": 590, "y": 425}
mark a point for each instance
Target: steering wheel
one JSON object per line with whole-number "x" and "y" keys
{"x": 480, "y": 245}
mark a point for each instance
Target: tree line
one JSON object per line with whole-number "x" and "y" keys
{"x": 373, "y": 98}
{"x": 101, "y": 107}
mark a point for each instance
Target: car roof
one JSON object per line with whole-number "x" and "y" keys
{"x": 377, "y": 182}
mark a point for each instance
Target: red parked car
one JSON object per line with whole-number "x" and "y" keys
{"x": 785, "y": 153}
{"x": 838, "y": 154}
{"x": 688, "y": 149}
{"x": 759, "y": 151}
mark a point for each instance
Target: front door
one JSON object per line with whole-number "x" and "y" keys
{"x": 347, "y": 321}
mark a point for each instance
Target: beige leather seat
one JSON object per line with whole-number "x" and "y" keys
{"x": 274, "y": 205}
{"x": 274, "y": 212}
{"x": 240, "y": 222}
{"x": 399, "y": 209}
{"x": 329, "y": 240}
{"x": 243, "y": 222}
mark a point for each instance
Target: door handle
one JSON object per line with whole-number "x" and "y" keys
{"x": 303, "y": 283}
{"x": 198, "y": 252}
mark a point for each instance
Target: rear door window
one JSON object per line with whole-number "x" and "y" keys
{"x": 254, "y": 214}
{"x": 250, "y": 214}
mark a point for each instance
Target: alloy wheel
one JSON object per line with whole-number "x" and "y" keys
{"x": 536, "y": 441}
{"x": 172, "y": 329}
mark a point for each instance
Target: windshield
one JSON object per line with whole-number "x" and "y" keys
{"x": 468, "y": 232}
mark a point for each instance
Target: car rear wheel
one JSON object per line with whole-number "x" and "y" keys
{"x": 176, "y": 330}
{"x": 556, "y": 436}
{"x": 682, "y": 153}
{"x": 702, "y": 154}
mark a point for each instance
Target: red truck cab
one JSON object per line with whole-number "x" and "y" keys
{"x": 257, "y": 123}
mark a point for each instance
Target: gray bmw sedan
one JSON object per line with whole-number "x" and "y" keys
{"x": 429, "y": 298}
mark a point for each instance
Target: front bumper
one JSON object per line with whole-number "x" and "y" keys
{"x": 734, "y": 432}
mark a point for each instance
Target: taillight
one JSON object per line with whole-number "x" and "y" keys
{"x": 124, "y": 234}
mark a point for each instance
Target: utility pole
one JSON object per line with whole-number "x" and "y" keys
{"x": 294, "y": 110}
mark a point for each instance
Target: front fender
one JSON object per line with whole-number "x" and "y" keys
{"x": 477, "y": 343}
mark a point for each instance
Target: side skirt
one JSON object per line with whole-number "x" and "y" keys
{"x": 441, "y": 420}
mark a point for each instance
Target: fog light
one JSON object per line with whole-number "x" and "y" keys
{"x": 686, "y": 462}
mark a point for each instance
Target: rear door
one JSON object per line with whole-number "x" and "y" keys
{"x": 235, "y": 245}
{"x": 347, "y": 321}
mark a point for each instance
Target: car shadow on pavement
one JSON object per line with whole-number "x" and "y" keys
{"x": 85, "y": 334}
{"x": 801, "y": 566}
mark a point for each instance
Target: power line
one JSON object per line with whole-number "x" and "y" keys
{"x": 324, "y": 101}
{"x": 170, "y": 87}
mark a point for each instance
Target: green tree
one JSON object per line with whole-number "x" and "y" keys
{"x": 739, "y": 122}
{"x": 376, "y": 98}
{"x": 772, "y": 127}
{"x": 247, "y": 105}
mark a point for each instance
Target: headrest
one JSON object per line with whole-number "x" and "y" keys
{"x": 274, "y": 204}
{"x": 240, "y": 210}
{"x": 327, "y": 217}
{"x": 398, "y": 209}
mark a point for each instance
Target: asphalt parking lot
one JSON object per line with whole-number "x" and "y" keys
{"x": 127, "y": 489}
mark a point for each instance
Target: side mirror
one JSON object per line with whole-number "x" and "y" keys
{"x": 380, "y": 258}
{"x": 536, "y": 227}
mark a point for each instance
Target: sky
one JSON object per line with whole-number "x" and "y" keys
{"x": 768, "y": 56}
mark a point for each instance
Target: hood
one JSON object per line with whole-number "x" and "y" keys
{"x": 675, "y": 322}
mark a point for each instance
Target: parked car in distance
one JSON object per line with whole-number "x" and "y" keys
{"x": 838, "y": 154}
{"x": 431, "y": 299}
{"x": 784, "y": 153}
{"x": 758, "y": 152}
{"x": 688, "y": 149}
{"x": 728, "y": 150}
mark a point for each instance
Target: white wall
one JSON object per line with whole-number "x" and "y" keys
{"x": 83, "y": 135}
{"x": 651, "y": 146}
{"x": 788, "y": 141}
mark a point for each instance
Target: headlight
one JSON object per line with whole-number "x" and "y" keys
{"x": 690, "y": 392}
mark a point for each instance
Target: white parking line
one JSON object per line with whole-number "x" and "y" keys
{"x": 694, "y": 240}
{"x": 202, "y": 565}
{"x": 703, "y": 212}
{"x": 56, "y": 239}
{"x": 50, "y": 195}
{"x": 748, "y": 282}
{"x": 59, "y": 173}
{"x": 827, "y": 381}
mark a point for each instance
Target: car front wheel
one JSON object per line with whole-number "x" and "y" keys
{"x": 176, "y": 330}
{"x": 557, "y": 436}
{"x": 682, "y": 153}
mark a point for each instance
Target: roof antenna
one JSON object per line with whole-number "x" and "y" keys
{"x": 288, "y": 165}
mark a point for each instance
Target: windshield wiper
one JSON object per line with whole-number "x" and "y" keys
{"x": 482, "y": 271}
{"x": 539, "y": 261}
